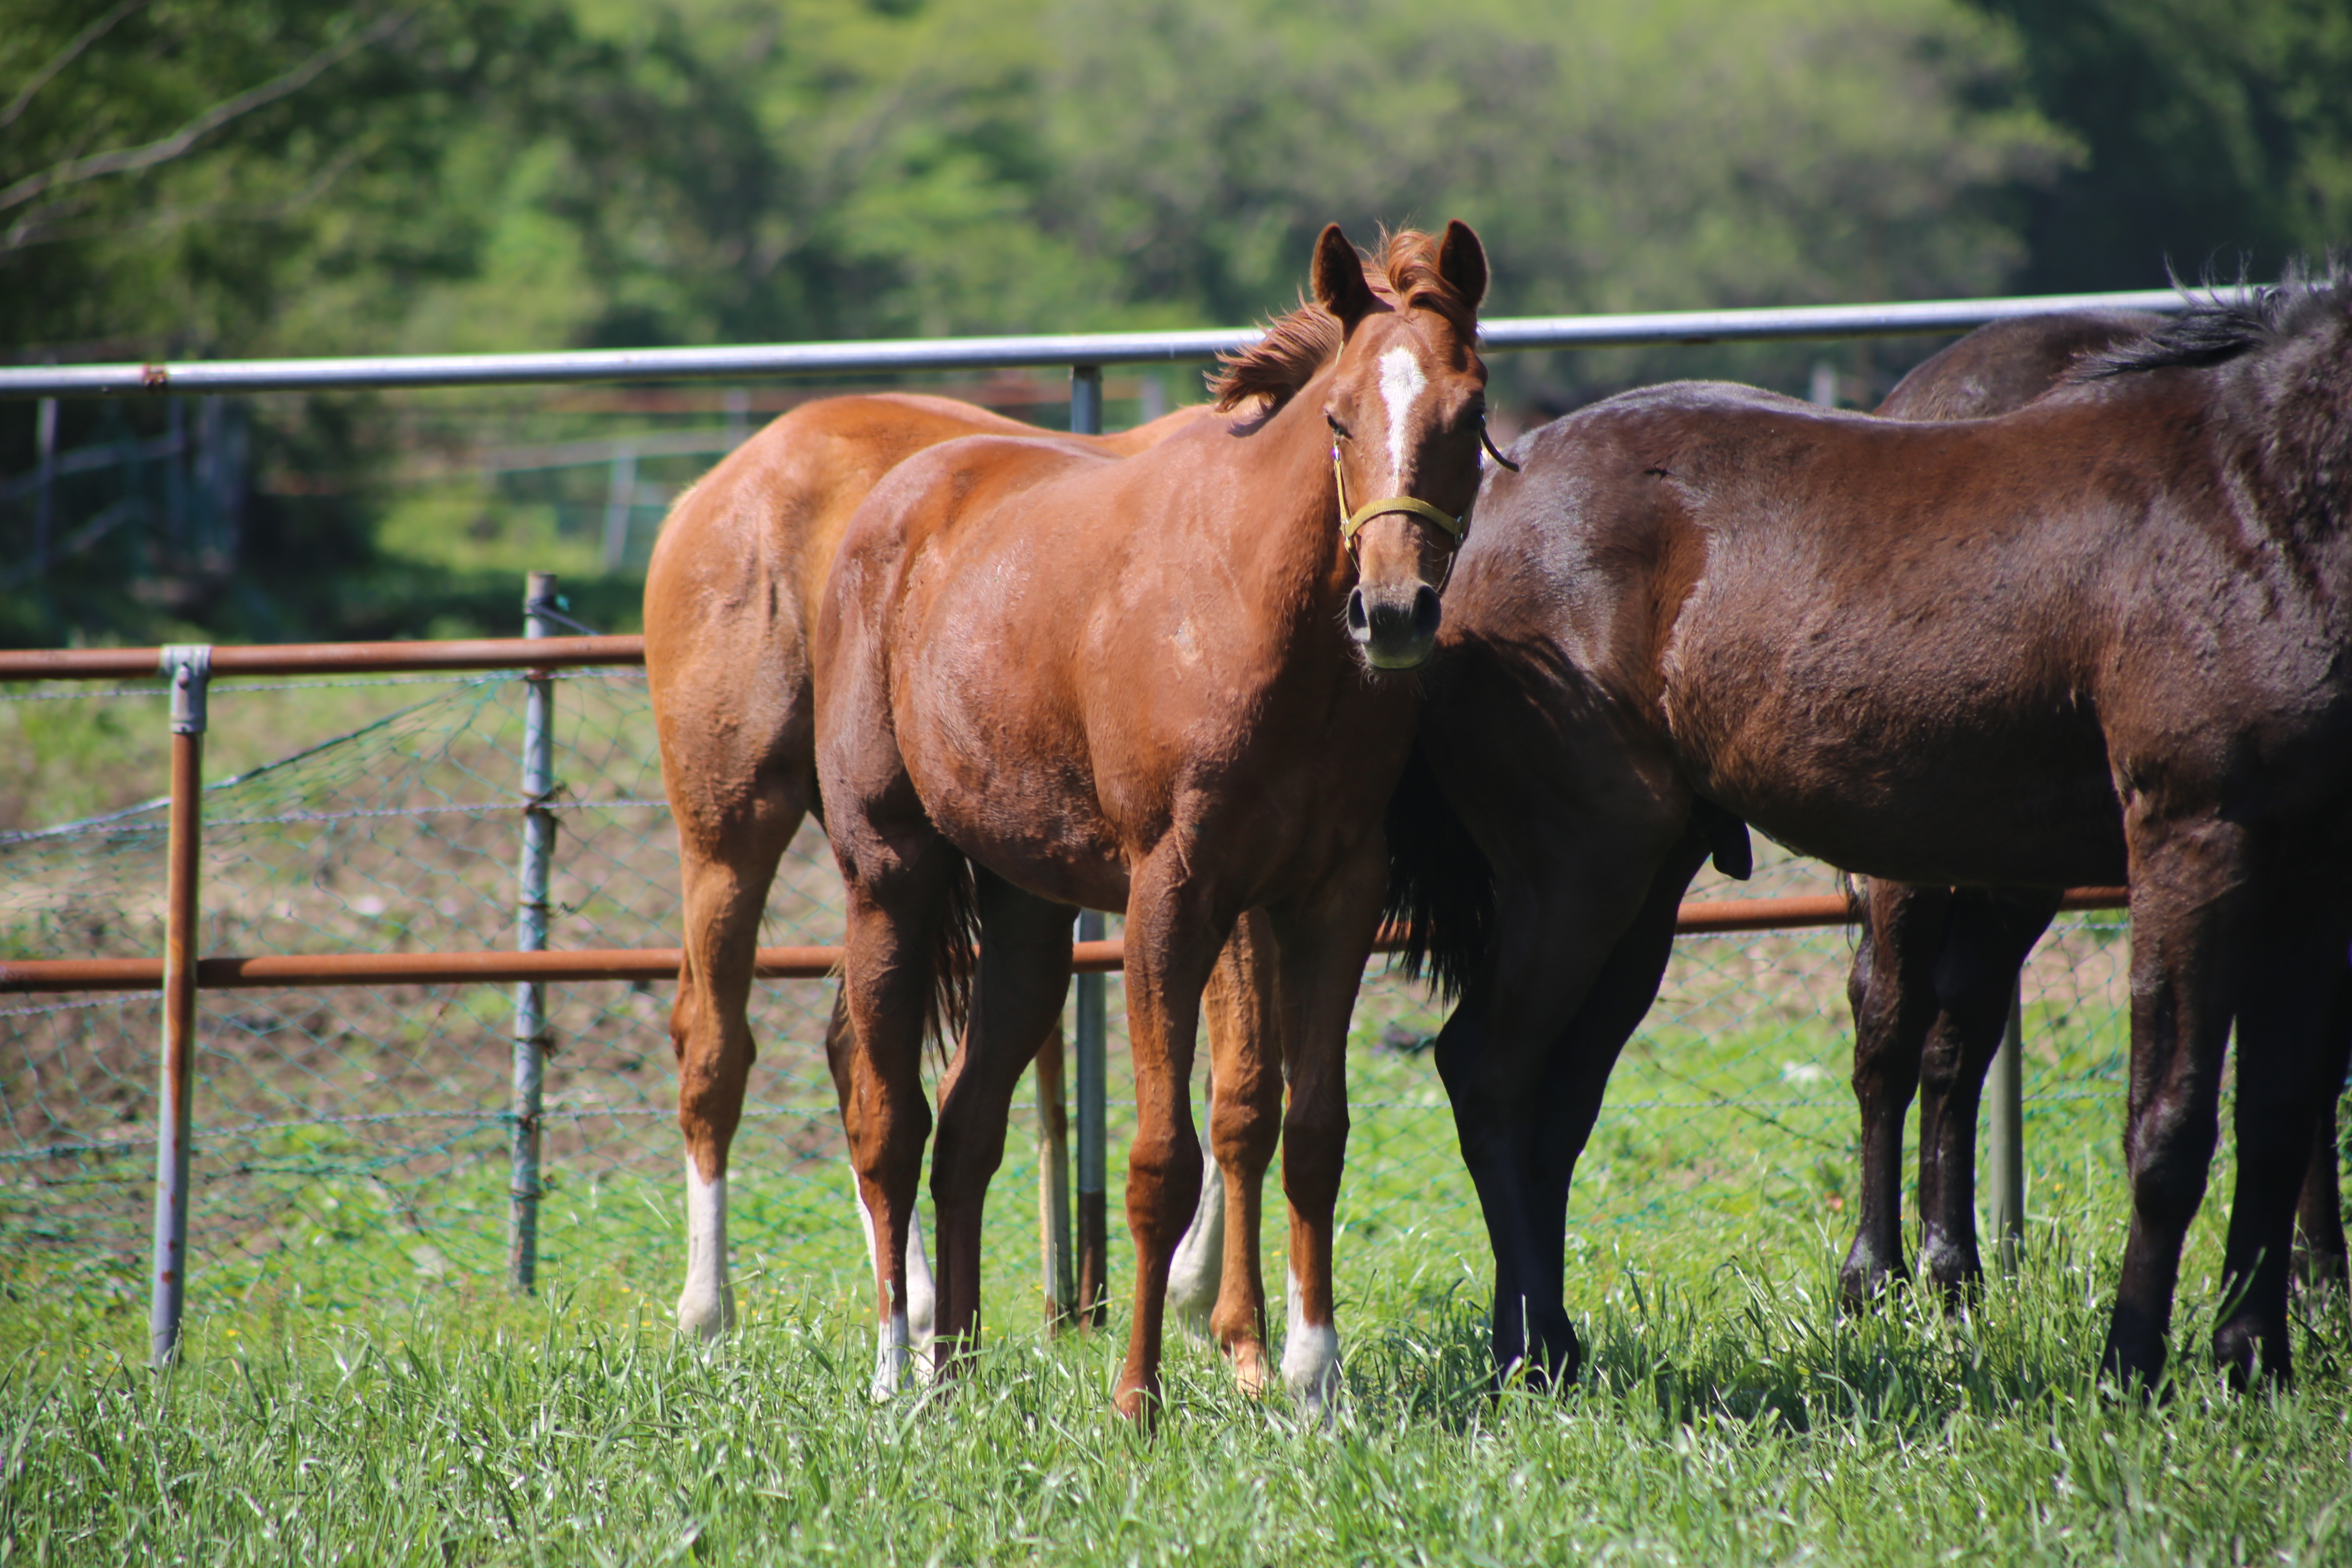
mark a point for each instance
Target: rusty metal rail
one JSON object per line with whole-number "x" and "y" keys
{"x": 644, "y": 965}
{"x": 328, "y": 658}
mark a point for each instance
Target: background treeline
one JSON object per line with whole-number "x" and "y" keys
{"x": 262, "y": 177}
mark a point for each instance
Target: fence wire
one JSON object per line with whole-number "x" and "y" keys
{"x": 345, "y": 1123}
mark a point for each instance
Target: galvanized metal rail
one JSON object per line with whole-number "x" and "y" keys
{"x": 889, "y": 357}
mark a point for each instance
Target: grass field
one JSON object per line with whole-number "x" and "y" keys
{"x": 340, "y": 1401}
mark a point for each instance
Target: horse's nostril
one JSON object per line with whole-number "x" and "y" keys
{"x": 1359, "y": 626}
{"x": 1425, "y": 612}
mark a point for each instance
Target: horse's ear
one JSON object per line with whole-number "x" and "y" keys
{"x": 1461, "y": 262}
{"x": 1340, "y": 286}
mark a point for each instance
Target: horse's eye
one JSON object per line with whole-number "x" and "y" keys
{"x": 1337, "y": 429}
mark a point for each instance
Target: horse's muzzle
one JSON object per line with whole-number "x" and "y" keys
{"x": 1394, "y": 627}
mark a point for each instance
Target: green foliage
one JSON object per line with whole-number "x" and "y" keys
{"x": 2214, "y": 133}
{"x": 197, "y": 177}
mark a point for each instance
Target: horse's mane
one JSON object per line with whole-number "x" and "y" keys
{"x": 1402, "y": 271}
{"x": 2218, "y": 328}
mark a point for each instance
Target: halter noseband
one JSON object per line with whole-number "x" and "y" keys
{"x": 1352, "y": 523}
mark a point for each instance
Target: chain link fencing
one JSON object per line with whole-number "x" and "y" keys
{"x": 371, "y": 1123}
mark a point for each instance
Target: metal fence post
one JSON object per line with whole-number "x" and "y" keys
{"x": 2007, "y": 1083}
{"x": 45, "y": 480}
{"x": 1094, "y": 1220}
{"x": 530, "y": 1036}
{"x": 1058, "y": 1280}
{"x": 189, "y": 668}
{"x": 620, "y": 509}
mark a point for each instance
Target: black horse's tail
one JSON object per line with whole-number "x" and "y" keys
{"x": 953, "y": 959}
{"x": 1440, "y": 887}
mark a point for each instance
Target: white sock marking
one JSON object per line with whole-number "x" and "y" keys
{"x": 1310, "y": 1354}
{"x": 1197, "y": 1271}
{"x": 707, "y": 1306}
{"x": 1402, "y": 383}
{"x": 902, "y": 1338}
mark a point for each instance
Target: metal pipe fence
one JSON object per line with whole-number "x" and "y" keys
{"x": 536, "y": 960}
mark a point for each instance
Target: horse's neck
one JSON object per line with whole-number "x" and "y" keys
{"x": 1287, "y": 529}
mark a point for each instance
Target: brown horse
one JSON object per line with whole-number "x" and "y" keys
{"x": 1046, "y": 678}
{"x": 1936, "y": 968}
{"x": 2100, "y": 639}
{"x": 729, "y": 595}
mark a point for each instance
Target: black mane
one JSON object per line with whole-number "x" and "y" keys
{"x": 2218, "y": 328}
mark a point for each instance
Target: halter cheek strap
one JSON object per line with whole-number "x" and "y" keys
{"x": 1351, "y": 522}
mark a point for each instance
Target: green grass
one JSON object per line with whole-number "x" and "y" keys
{"x": 339, "y": 1402}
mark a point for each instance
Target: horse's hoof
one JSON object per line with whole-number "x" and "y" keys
{"x": 1249, "y": 1359}
{"x": 1310, "y": 1367}
{"x": 2244, "y": 1353}
{"x": 708, "y": 1315}
{"x": 2133, "y": 1371}
{"x": 1140, "y": 1403}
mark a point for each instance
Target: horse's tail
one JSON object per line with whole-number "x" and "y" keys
{"x": 1441, "y": 887}
{"x": 954, "y": 958}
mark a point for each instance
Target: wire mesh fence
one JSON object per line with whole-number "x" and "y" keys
{"x": 341, "y": 1121}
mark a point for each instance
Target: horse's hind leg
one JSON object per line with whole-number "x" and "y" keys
{"x": 1017, "y": 994}
{"x": 1986, "y": 942}
{"x": 1892, "y": 993}
{"x": 2286, "y": 1067}
{"x": 840, "y": 1039}
{"x": 1576, "y": 1079}
{"x": 1321, "y": 947}
{"x": 726, "y": 868}
{"x": 2319, "y": 1250}
{"x": 898, "y": 886}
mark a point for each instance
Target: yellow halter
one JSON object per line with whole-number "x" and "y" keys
{"x": 1350, "y": 523}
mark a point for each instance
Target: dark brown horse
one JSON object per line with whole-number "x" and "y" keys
{"x": 1936, "y": 968}
{"x": 2098, "y": 641}
{"x": 1045, "y": 679}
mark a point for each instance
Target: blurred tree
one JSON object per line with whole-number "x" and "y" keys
{"x": 2216, "y": 132}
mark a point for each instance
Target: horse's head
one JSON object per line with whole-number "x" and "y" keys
{"x": 1406, "y": 402}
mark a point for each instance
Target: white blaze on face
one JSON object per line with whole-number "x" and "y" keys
{"x": 707, "y": 1306}
{"x": 1310, "y": 1354}
{"x": 903, "y": 1339}
{"x": 1401, "y": 384}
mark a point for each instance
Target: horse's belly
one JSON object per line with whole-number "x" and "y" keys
{"x": 2010, "y": 792}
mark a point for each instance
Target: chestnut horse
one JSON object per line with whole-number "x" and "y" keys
{"x": 1936, "y": 968}
{"x": 1168, "y": 683}
{"x": 729, "y": 594}
{"x": 2100, "y": 639}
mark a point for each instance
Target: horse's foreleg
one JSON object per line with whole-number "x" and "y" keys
{"x": 726, "y": 872}
{"x": 2188, "y": 903}
{"x": 1245, "y": 1030}
{"x": 1172, "y": 938}
{"x": 1322, "y": 946}
{"x": 1986, "y": 942}
{"x": 1892, "y": 993}
{"x": 2286, "y": 1069}
{"x": 1017, "y": 994}
{"x": 2319, "y": 1249}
